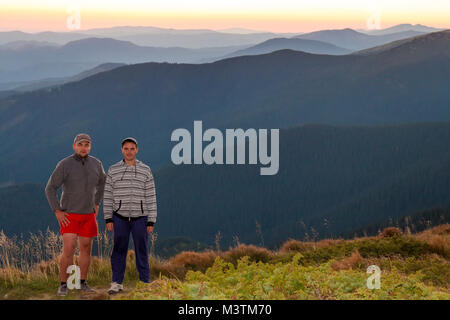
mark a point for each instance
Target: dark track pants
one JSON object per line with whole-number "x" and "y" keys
{"x": 122, "y": 229}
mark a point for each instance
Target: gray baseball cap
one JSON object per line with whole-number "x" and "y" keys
{"x": 129, "y": 139}
{"x": 82, "y": 137}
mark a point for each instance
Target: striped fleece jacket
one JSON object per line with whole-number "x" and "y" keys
{"x": 130, "y": 192}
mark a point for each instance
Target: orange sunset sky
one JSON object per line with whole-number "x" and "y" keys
{"x": 264, "y": 15}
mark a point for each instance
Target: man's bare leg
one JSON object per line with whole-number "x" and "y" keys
{"x": 69, "y": 246}
{"x": 84, "y": 260}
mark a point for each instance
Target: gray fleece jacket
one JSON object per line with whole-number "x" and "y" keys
{"x": 82, "y": 181}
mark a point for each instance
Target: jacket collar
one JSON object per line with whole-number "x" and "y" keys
{"x": 135, "y": 164}
{"x": 79, "y": 158}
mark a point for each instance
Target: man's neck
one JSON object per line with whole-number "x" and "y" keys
{"x": 130, "y": 162}
{"x": 80, "y": 156}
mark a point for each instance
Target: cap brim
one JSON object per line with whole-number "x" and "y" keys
{"x": 83, "y": 140}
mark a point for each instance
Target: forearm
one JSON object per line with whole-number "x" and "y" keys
{"x": 151, "y": 204}
{"x": 98, "y": 197}
{"x": 52, "y": 197}
{"x": 100, "y": 187}
{"x": 107, "y": 206}
{"x": 108, "y": 198}
{"x": 51, "y": 189}
{"x": 152, "y": 210}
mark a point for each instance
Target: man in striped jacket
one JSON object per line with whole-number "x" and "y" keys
{"x": 129, "y": 205}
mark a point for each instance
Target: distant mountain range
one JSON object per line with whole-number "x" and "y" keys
{"x": 151, "y": 36}
{"x": 310, "y": 46}
{"x": 28, "y": 57}
{"x": 354, "y": 40}
{"x": 16, "y": 88}
{"x": 37, "y": 60}
{"x": 194, "y": 38}
{"x": 243, "y": 31}
{"x": 279, "y": 89}
{"x": 384, "y": 47}
{"x": 27, "y": 44}
{"x": 402, "y": 28}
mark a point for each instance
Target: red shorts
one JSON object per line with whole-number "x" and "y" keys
{"x": 83, "y": 225}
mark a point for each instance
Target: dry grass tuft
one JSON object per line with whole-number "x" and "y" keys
{"x": 351, "y": 262}
{"x": 197, "y": 261}
{"x": 391, "y": 232}
{"x": 443, "y": 230}
{"x": 438, "y": 238}
{"x": 48, "y": 267}
{"x": 160, "y": 268}
{"x": 328, "y": 243}
{"x": 439, "y": 245}
{"x": 253, "y": 252}
{"x": 293, "y": 245}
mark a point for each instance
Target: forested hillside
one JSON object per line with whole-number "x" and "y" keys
{"x": 331, "y": 180}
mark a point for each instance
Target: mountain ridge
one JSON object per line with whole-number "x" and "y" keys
{"x": 353, "y": 40}
{"x": 309, "y": 46}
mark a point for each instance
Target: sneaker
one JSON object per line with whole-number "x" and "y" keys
{"x": 115, "y": 288}
{"x": 85, "y": 287}
{"x": 62, "y": 290}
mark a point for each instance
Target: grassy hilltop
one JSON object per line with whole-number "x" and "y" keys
{"x": 413, "y": 266}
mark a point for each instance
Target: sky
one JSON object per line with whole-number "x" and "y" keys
{"x": 263, "y": 15}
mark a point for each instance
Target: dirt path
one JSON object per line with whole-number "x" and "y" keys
{"x": 101, "y": 294}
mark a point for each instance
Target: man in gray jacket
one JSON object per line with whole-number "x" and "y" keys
{"x": 129, "y": 206}
{"x": 82, "y": 178}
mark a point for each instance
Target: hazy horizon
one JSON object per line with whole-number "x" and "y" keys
{"x": 283, "y": 16}
{"x": 225, "y": 29}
